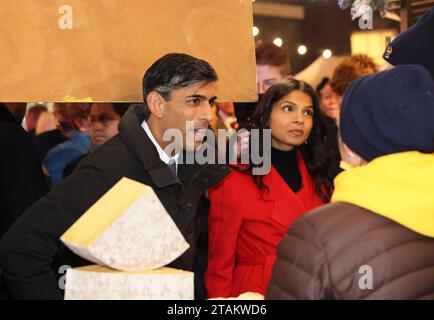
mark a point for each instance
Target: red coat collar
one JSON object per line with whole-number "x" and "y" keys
{"x": 288, "y": 205}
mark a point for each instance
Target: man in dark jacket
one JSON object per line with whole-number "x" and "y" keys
{"x": 177, "y": 88}
{"x": 376, "y": 239}
{"x": 21, "y": 178}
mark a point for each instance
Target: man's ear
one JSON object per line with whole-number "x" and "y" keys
{"x": 350, "y": 156}
{"x": 156, "y": 104}
{"x": 79, "y": 123}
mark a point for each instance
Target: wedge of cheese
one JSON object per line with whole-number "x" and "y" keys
{"x": 100, "y": 283}
{"x": 127, "y": 229}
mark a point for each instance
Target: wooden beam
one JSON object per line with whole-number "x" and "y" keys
{"x": 405, "y": 13}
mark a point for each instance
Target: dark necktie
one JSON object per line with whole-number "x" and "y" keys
{"x": 172, "y": 166}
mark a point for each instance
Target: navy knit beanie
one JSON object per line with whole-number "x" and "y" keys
{"x": 414, "y": 46}
{"x": 389, "y": 112}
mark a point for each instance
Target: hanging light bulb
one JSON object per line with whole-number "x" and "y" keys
{"x": 327, "y": 53}
{"x": 302, "y": 50}
{"x": 255, "y": 31}
{"x": 278, "y": 42}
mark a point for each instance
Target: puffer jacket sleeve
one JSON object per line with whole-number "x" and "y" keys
{"x": 301, "y": 269}
{"x": 224, "y": 225}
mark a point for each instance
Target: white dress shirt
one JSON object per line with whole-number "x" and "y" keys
{"x": 163, "y": 155}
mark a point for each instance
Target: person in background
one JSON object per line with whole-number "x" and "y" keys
{"x": 73, "y": 120}
{"x": 46, "y": 122}
{"x": 249, "y": 213}
{"x": 22, "y": 182}
{"x": 272, "y": 65}
{"x": 32, "y": 117}
{"x": 331, "y": 94}
{"x": 415, "y": 45}
{"x": 17, "y": 109}
{"x": 376, "y": 239}
{"x": 224, "y": 117}
{"x": 330, "y": 109}
{"x": 21, "y": 178}
{"x": 346, "y": 72}
{"x": 327, "y": 100}
{"x": 47, "y": 135}
{"x": 105, "y": 118}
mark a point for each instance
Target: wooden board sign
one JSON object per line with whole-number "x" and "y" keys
{"x": 98, "y": 50}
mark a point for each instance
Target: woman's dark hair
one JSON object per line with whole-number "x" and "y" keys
{"x": 314, "y": 152}
{"x": 322, "y": 84}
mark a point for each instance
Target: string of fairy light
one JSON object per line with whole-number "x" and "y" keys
{"x": 302, "y": 49}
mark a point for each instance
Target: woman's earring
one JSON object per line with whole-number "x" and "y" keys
{"x": 305, "y": 142}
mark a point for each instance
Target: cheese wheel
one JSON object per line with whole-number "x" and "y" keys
{"x": 100, "y": 283}
{"x": 127, "y": 229}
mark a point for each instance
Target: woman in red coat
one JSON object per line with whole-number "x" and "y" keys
{"x": 250, "y": 214}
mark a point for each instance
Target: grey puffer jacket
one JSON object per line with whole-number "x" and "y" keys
{"x": 342, "y": 251}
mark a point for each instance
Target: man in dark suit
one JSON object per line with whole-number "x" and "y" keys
{"x": 177, "y": 88}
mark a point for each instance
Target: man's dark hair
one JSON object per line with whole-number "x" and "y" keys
{"x": 120, "y": 108}
{"x": 268, "y": 54}
{"x": 175, "y": 71}
{"x": 36, "y": 110}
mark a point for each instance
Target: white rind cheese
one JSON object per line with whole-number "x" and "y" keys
{"x": 100, "y": 283}
{"x": 127, "y": 229}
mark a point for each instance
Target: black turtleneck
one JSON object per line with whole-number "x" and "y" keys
{"x": 286, "y": 164}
